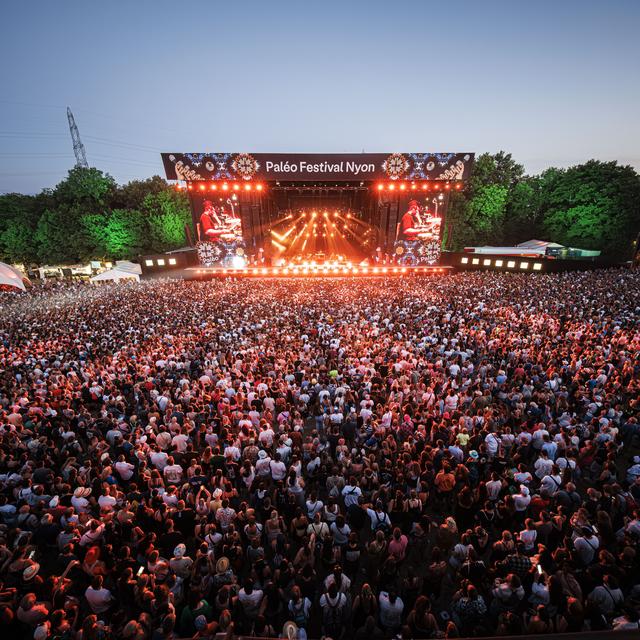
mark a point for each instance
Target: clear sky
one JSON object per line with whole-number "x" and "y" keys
{"x": 554, "y": 83}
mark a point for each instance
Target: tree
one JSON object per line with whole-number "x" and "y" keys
{"x": 17, "y": 243}
{"x": 593, "y": 206}
{"x": 167, "y": 214}
{"x": 116, "y": 235}
{"x": 90, "y": 189}
{"x": 61, "y": 238}
{"x": 132, "y": 194}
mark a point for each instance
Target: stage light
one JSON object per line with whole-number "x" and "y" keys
{"x": 436, "y": 187}
{"x": 511, "y": 264}
{"x": 414, "y": 187}
{"x": 425, "y": 186}
{"x": 475, "y": 261}
{"x": 447, "y": 186}
{"x": 392, "y": 187}
{"x": 375, "y": 270}
{"x": 254, "y": 271}
{"x": 384, "y": 269}
{"x": 404, "y": 270}
{"x": 148, "y": 263}
{"x": 499, "y": 263}
{"x": 225, "y": 187}
{"x": 365, "y": 269}
{"x": 264, "y": 271}
{"x": 247, "y": 187}
{"x": 190, "y": 187}
{"x": 172, "y": 261}
{"x": 285, "y": 270}
{"x": 202, "y": 187}
{"x": 524, "y": 265}
{"x": 486, "y": 262}
{"x": 395, "y": 269}
{"x": 459, "y": 185}
{"x": 236, "y": 187}
{"x": 259, "y": 187}
{"x": 238, "y": 262}
{"x": 380, "y": 187}
{"x": 537, "y": 266}
{"x": 160, "y": 262}
{"x": 403, "y": 186}
{"x": 464, "y": 260}
{"x": 214, "y": 187}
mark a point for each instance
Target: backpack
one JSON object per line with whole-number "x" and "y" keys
{"x": 381, "y": 524}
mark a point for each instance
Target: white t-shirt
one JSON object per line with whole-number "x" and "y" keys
{"x": 98, "y": 599}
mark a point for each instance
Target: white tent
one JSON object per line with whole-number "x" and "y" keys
{"x": 12, "y": 277}
{"x": 114, "y": 275}
{"x": 128, "y": 266}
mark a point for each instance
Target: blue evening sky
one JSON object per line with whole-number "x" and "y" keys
{"x": 554, "y": 83}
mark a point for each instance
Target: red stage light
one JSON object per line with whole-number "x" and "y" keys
{"x": 258, "y": 187}
{"x": 214, "y": 186}
{"x": 425, "y": 186}
{"x": 380, "y": 187}
{"x": 459, "y": 185}
{"x": 447, "y": 186}
{"x": 190, "y": 187}
{"x": 202, "y": 187}
{"x": 247, "y": 187}
{"x": 437, "y": 187}
{"x": 236, "y": 187}
{"x": 392, "y": 187}
{"x": 225, "y": 187}
{"x": 414, "y": 187}
{"x": 403, "y": 186}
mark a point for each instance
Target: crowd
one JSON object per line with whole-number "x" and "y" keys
{"x": 438, "y": 457}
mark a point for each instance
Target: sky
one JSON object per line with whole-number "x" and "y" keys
{"x": 553, "y": 83}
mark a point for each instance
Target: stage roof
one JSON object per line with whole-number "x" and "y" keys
{"x": 317, "y": 167}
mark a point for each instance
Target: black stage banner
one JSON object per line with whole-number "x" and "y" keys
{"x": 317, "y": 167}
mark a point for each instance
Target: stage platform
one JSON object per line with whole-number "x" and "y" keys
{"x": 315, "y": 271}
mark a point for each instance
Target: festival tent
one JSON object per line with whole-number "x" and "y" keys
{"x": 11, "y": 277}
{"x": 114, "y": 275}
{"x": 128, "y": 266}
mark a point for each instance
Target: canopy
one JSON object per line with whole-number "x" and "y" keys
{"x": 128, "y": 266}
{"x": 11, "y": 277}
{"x": 539, "y": 244}
{"x": 113, "y": 275}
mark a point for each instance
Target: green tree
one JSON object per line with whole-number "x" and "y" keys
{"x": 60, "y": 237}
{"x": 17, "y": 243}
{"x": 90, "y": 189}
{"x": 167, "y": 214}
{"x": 132, "y": 194}
{"x": 595, "y": 205}
{"x": 117, "y": 235}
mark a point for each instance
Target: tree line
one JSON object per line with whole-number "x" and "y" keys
{"x": 88, "y": 216}
{"x": 595, "y": 205}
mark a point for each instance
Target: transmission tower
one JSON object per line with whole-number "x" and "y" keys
{"x": 78, "y": 147}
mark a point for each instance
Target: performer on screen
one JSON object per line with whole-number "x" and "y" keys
{"x": 411, "y": 222}
{"x": 210, "y": 223}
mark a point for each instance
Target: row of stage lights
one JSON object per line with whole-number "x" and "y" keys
{"x": 414, "y": 186}
{"x": 381, "y": 186}
{"x": 321, "y": 270}
{"x": 222, "y": 186}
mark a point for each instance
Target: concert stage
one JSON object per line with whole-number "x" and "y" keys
{"x": 272, "y": 214}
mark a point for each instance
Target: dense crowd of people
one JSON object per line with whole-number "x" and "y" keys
{"x": 438, "y": 457}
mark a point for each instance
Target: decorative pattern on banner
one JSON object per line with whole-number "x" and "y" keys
{"x": 317, "y": 167}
